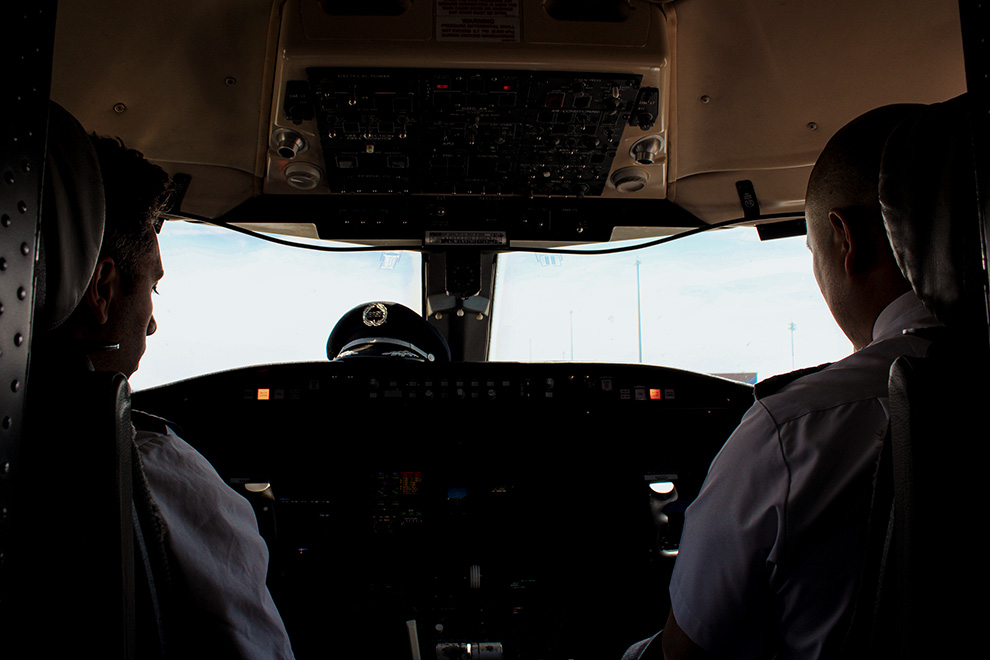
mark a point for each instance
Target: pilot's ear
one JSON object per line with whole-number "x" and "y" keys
{"x": 103, "y": 288}
{"x": 846, "y": 239}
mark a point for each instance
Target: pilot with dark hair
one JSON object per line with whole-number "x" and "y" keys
{"x": 773, "y": 546}
{"x": 115, "y": 315}
{"x": 217, "y": 561}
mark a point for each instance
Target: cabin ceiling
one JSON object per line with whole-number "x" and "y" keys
{"x": 760, "y": 86}
{"x": 756, "y": 87}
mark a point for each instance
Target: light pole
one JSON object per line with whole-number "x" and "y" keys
{"x": 639, "y": 316}
{"x": 572, "y": 335}
{"x": 792, "y": 328}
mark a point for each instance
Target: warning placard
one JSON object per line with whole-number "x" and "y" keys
{"x": 478, "y": 20}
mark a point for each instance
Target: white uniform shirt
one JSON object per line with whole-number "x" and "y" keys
{"x": 218, "y": 563}
{"x": 772, "y": 547}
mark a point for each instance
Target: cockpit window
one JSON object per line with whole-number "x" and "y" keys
{"x": 721, "y": 302}
{"x": 229, "y": 300}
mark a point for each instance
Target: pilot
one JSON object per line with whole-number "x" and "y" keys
{"x": 773, "y": 545}
{"x": 386, "y": 330}
{"x": 218, "y": 562}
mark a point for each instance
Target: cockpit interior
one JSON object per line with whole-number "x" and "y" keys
{"x": 479, "y": 509}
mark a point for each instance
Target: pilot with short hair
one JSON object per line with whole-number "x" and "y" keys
{"x": 217, "y": 560}
{"x": 772, "y": 547}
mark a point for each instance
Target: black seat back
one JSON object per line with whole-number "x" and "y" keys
{"x": 74, "y": 534}
{"x": 75, "y": 540}
{"x": 928, "y": 564}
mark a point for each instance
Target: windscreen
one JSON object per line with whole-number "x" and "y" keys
{"x": 721, "y": 302}
{"x": 229, "y": 300}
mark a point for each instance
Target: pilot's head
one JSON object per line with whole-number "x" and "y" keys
{"x": 115, "y": 315}
{"x": 853, "y": 262}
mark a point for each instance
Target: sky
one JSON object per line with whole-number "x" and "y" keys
{"x": 230, "y": 300}
{"x": 719, "y": 302}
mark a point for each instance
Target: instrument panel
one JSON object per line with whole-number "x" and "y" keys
{"x": 503, "y": 509}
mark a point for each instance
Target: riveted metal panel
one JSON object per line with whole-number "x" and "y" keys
{"x": 26, "y": 59}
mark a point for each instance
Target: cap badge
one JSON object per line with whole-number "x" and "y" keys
{"x": 375, "y": 315}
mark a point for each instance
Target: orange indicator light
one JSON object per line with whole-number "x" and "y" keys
{"x": 264, "y": 394}
{"x": 656, "y": 393}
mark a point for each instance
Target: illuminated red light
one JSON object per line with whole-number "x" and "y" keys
{"x": 264, "y": 394}
{"x": 441, "y": 86}
{"x": 656, "y": 393}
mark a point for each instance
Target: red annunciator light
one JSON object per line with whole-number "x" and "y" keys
{"x": 656, "y": 393}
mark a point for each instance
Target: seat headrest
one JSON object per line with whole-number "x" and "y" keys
{"x": 928, "y": 195}
{"x": 72, "y": 219}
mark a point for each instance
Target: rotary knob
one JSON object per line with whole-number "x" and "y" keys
{"x": 288, "y": 144}
{"x": 630, "y": 179}
{"x": 647, "y": 151}
{"x": 303, "y": 176}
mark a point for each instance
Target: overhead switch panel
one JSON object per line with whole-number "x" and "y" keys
{"x": 491, "y": 132}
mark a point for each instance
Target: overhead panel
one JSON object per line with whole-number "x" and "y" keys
{"x": 506, "y": 98}
{"x": 443, "y": 131}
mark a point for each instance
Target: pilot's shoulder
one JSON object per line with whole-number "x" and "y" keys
{"x": 146, "y": 423}
{"x": 858, "y": 379}
{"x": 775, "y": 384}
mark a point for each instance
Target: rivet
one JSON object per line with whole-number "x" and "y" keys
{"x": 813, "y": 126}
{"x": 25, "y": 249}
{"x": 15, "y": 385}
{"x": 7, "y": 423}
{"x": 119, "y": 108}
{"x": 22, "y": 206}
{"x": 21, "y": 293}
{"x": 8, "y": 176}
{"x": 230, "y": 80}
{"x": 3, "y": 264}
{"x": 26, "y": 166}
{"x": 5, "y": 220}
{"x": 705, "y": 98}
{"x": 18, "y": 339}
